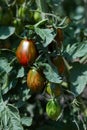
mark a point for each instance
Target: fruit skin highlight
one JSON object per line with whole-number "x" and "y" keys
{"x": 26, "y": 52}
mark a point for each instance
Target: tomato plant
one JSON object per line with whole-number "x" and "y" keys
{"x": 43, "y": 65}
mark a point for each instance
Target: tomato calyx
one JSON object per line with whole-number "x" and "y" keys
{"x": 53, "y": 89}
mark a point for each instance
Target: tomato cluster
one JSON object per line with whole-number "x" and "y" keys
{"x": 27, "y": 54}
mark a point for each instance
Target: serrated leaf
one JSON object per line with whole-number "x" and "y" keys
{"x": 9, "y": 117}
{"x": 77, "y": 50}
{"x": 27, "y": 121}
{"x": 78, "y": 78}
{"x": 7, "y": 80}
{"x": 9, "y": 84}
{"x": 20, "y": 73}
{"x": 14, "y": 117}
{"x": 51, "y": 73}
{"x": 6, "y": 32}
{"x": 3, "y": 79}
{"x": 81, "y": 51}
{"x": 1, "y": 103}
{"x": 5, "y": 65}
{"x": 47, "y": 35}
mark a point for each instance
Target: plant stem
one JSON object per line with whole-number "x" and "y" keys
{"x": 42, "y": 5}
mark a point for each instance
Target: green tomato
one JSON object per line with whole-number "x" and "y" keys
{"x": 18, "y": 25}
{"x": 37, "y": 16}
{"x": 22, "y": 12}
{"x": 25, "y": 15}
{"x": 53, "y": 109}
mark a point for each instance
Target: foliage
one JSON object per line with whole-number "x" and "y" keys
{"x": 57, "y": 29}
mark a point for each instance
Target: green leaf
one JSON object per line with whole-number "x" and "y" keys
{"x": 78, "y": 78}
{"x": 15, "y": 121}
{"x": 4, "y": 64}
{"x": 51, "y": 73}
{"x": 3, "y": 79}
{"x": 77, "y": 50}
{"x": 47, "y": 35}
{"x": 10, "y": 118}
{"x": 10, "y": 82}
{"x": 20, "y": 73}
{"x": 7, "y": 80}
{"x": 27, "y": 121}
{"x": 81, "y": 50}
{"x": 6, "y": 32}
{"x": 1, "y": 103}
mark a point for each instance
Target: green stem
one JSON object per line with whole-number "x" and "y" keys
{"x": 14, "y": 59}
{"x": 7, "y": 50}
{"x": 68, "y": 67}
{"x": 64, "y": 84}
{"x": 83, "y": 106}
{"x": 40, "y": 22}
{"x": 42, "y": 5}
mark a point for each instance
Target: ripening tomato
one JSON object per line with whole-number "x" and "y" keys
{"x": 59, "y": 63}
{"x": 35, "y": 80}
{"x": 53, "y": 109}
{"x": 26, "y": 52}
{"x": 55, "y": 91}
{"x": 59, "y": 37}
